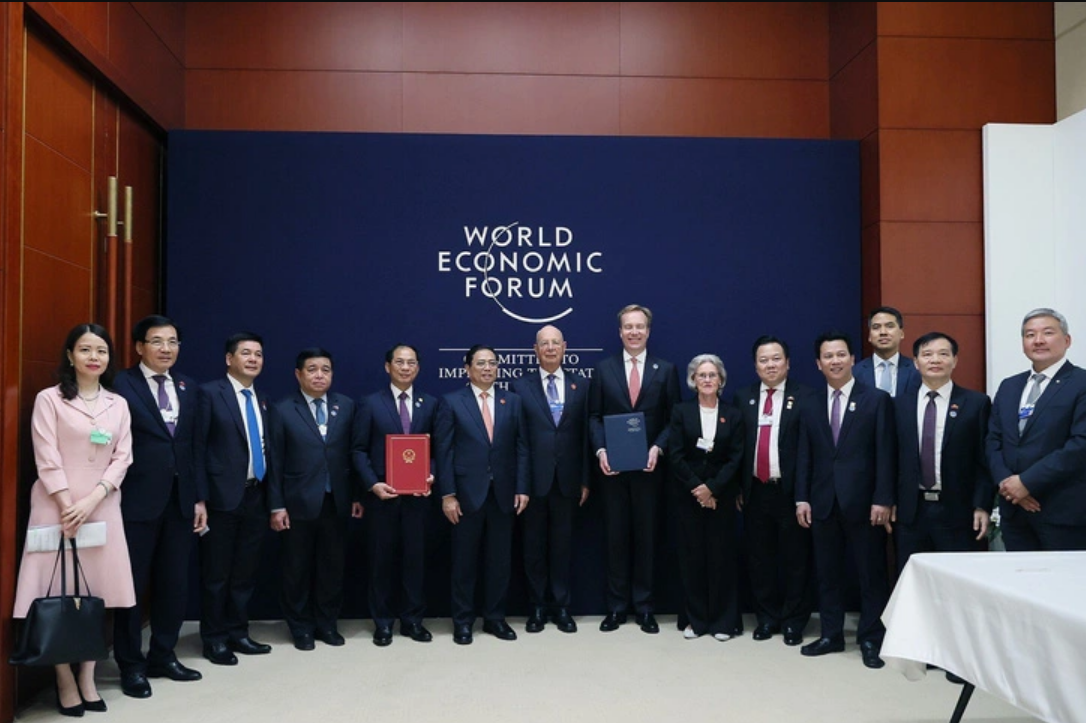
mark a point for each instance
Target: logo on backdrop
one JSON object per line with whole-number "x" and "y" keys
{"x": 528, "y": 272}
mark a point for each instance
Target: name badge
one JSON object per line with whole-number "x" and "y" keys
{"x": 705, "y": 444}
{"x": 100, "y": 436}
{"x": 765, "y": 420}
{"x": 1025, "y": 412}
{"x": 169, "y": 416}
{"x": 323, "y": 429}
{"x": 556, "y": 409}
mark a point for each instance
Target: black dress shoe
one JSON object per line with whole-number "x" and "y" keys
{"x": 330, "y": 637}
{"x": 219, "y": 654}
{"x": 75, "y": 711}
{"x": 462, "y": 634}
{"x": 793, "y": 637}
{"x": 765, "y": 631}
{"x": 134, "y": 684}
{"x": 499, "y": 629}
{"x": 564, "y": 621}
{"x": 174, "y": 671}
{"x": 94, "y": 706}
{"x": 648, "y": 623}
{"x": 612, "y": 621}
{"x": 822, "y": 646}
{"x": 869, "y": 649}
{"x": 304, "y": 641}
{"x": 248, "y": 646}
{"x": 416, "y": 632}
{"x": 536, "y": 621}
{"x": 382, "y": 636}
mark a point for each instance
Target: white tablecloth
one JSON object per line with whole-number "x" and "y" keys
{"x": 1011, "y": 623}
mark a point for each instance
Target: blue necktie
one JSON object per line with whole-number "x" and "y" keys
{"x": 322, "y": 424}
{"x": 552, "y": 398}
{"x": 256, "y": 446}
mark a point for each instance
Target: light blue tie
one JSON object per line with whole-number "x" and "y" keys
{"x": 322, "y": 418}
{"x": 552, "y": 398}
{"x": 885, "y": 379}
{"x": 255, "y": 443}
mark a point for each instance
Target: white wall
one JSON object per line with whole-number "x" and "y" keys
{"x": 1070, "y": 33}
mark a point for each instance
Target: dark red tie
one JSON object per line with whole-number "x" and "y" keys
{"x": 764, "y": 432}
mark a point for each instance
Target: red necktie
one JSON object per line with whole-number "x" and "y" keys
{"x": 764, "y": 431}
{"x": 635, "y": 382}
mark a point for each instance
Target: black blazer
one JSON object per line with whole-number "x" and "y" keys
{"x": 221, "y": 447}
{"x": 557, "y": 450}
{"x": 468, "y": 463}
{"x": 719, "y": 469}
{"x": 747, "y": 400}
{"x": 610, "y": 394}
{"x": 1050, "y": 454}
{"x": 379, "y": 416}
{"x": 861, "y": 470}
{"x": 301, "y": 460}
{"x": 907, "y": 375}
{"x": 966, "y": 484}
{"x": 157, "y": 456}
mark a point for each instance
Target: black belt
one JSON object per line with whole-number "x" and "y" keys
{"x": 770, "y": 481}
{"x": 929, "y": 495}
{"x": 252, "y": 482}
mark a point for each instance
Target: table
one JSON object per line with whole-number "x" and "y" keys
{"x": 1011, "y": 623}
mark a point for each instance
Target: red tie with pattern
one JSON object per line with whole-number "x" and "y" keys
{"x": 764, "y": 432}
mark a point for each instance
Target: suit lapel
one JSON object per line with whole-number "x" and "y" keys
{"x": 471, "y": 404}
{"x": 1052, "y": 390}
{"x": 143, "y": 391}
{"x": 647, "y": 374}
{"x": 302, "y": 407}
{"x": 226, "y": 389}
{"x": 954, "y": 409}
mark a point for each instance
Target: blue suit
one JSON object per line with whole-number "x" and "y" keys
{"x": 397, "y": 525}
{"x": 559, "y": 469}
{"x": 311, "y": 477}
{"x": 907, "y": 375}
{"x": 1049, "y": 456}
{"x": 485, "y": 477}
{"x": 160, "y": 493}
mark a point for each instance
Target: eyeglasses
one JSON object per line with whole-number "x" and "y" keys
{"x": 707, "y": 375}
{"x": 157, "y": 343}
{"x": 409, "y": 363}
{"x": 484, "y": 363}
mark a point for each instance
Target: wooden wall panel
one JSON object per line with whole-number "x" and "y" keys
{"x": 1030, "y": 20}
{"x": 140, "y": 166}
{"x": 950, "y": 83}
{"x": 967, "y": 330}
{"x": 932, "y": 268}
{"x": 871, "y": 273}
{"x": 293, "y": 101}
{"x": 167, "y": 21}
{"x": 725, "y": 40}
{"x": 294, "y": 36}
{"x": 58, "y": 112}
{"x": 930, "y": 175}
{"x": 745, "y": 108}
{"x": 56, "y": 297}
{"x": 150, "y": 69}
{"x": 89, "y": 19}
{"x": 870, "y": 199}
{"x": 57, "y": 219}
{"x": 520, "y": 38}
{"x": 854, "y": 97}
{"x": 852, "y": 28}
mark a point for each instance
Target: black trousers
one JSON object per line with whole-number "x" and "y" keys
{"x": 396, "y": 546}
{"x": 934, "y": 529}
{"x": 630, "y": 516}
{"x": 229, "y": 558}
{"x": 708, "y": 563}
{"x": 158, "y": 550}
{"x": 483, "y": 537}
{"x": 778, "y": 558}
{"x": 312, "y": 559}
{"x": 548, "y": 540}
{"x": 1027, "y": 532}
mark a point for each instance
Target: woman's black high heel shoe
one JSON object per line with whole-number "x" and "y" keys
{"x": 76, "y": 711}
{"x": 95, "y": 706}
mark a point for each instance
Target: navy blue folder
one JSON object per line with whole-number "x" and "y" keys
{"x": 627, "y": 444}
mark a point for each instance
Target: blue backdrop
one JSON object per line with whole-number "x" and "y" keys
{"x": 357, "y": 241}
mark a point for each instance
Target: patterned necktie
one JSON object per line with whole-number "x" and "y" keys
{"x": 322, "y": 418}
{"x": 764, "y": 432}
{"x": 256, "y": 445}
{"x": 927, "y": 444}
{"x": 488, "y": 421}
{"x": 552, "y": 398}
{"x": 405, "y": 414}
{"x": 164, "y": 401}
{"x": 835, "y": 415}
{"x": 1034, "y": 392}
{"x": 635, "y": 382}
{"x": 885, "y": 381}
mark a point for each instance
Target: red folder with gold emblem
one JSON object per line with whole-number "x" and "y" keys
{"x": 407, "y": 462}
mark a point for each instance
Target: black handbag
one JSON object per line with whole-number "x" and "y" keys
{"x": 64, "y": 628}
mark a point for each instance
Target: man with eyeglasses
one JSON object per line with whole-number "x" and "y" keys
{"x": 482, "y": 476}
{"x": 161, "y": 506}
{"x": 396, "y": 530}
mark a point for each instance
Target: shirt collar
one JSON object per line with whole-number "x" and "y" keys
{"x": 396, "y": 391}
{"x": 559, "y": 376}
{"x": 149, "y": 373}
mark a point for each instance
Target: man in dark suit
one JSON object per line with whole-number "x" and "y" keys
{"x": 161, "y": 506}
{"x": 556, "y": 413}
{"x": 1037, "y": 442}
{"x": 482, "y": 476}
{"x": 632, "y": 381}
{"x": 944, "y": 491}
{"x": 396, "y": 533}
{"x": 230, "y": 463}
{"x": 778, "y": 549}
{"x": 312, "y": 438}
{"x": 845, "y": 476}
{"x": 887, "y": 370}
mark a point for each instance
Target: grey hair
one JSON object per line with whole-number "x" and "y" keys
{"x": 1046, "y": 312}
{"x": 700, "y": 359}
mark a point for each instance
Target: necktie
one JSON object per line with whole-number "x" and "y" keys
{"x": 164, "y": 400}
{"x": 885, "y": 381}
{"x": 256, "y": 446}
{"x": 635, "y": 383}
{"x": 1034, "y": 392}
{"x": 835, "y": 415}
{"x": 927, "y": 444}
{"x": 488, "y": 421}
{"x": 764, "y": 432}
{"x": 322, "y": 418}
{"x": 405, "y": 414}
{"x": 552, "y": 397}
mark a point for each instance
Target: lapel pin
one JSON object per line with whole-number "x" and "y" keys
{"x": 181, "y": 385}
{"x": 953, "y": 414}
{"x": 752, "y": 402}
{"x": 572, "y": 386}
{"x": 655, "y": 366}
{"x": 723, "y": 421}
{"x": 852, "y": 406}
{"x": 502, "y": 401}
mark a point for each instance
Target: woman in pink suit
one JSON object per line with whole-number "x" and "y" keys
{"x": 82, "y": 447}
